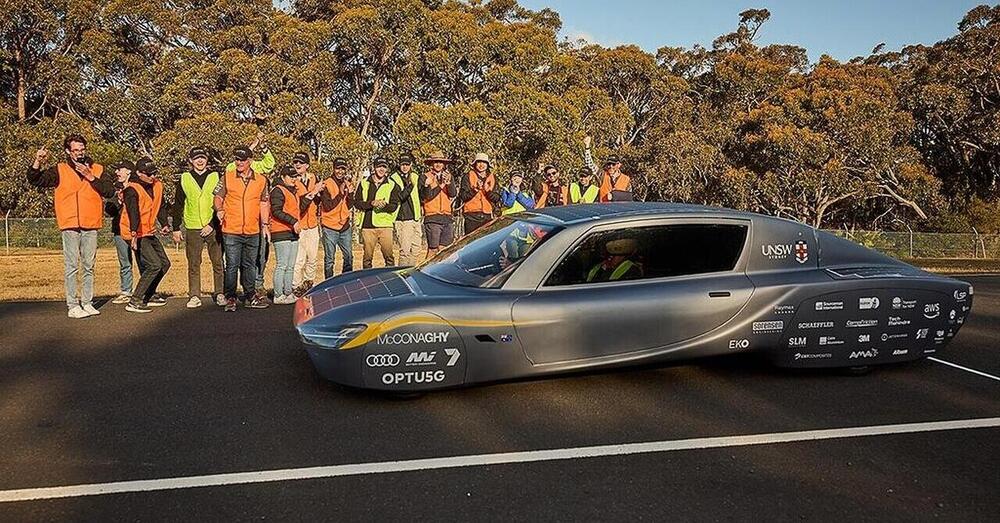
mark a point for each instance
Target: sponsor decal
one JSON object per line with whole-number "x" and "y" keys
{"x": 776, "y": 251}
{"x": 864, "y": 338}
{"x": 901, "y": 304}
{"x": 863, "y": 354}
{"x": 896, "y": 336}
{"x": 801, "y": 251}
{"x": 951, "y": 333}
{"x": 932, "y": 310}
{"x": 768, "y": 326}
{"x": 506, "y": 338}
{"x": 922, "y": 334}
{"x": 811, "y": 356}
{"x": 799, "y": 341}
{"x": 971, "y": 291}
{"x": 426, "y": 376}
{"x": 830, "y": 340}
{"x": 965, "y": 308}
{"x": 410, "y": 338}
{"x": 784, "y": 309}
{"x": 421, "y": 358}
{"x": 960, "y": 320}
{"x": 816, "y": 325}
{"x": 860, "y": 324}
{"x": 453, "y": 355}
{"x": 930, "y": 351}
{"x": 951, "y": 315}
{"x": 961, "y": 295}
{"x": 898, "y": 321}
{"x": 382, "y": 360}
{"x": 939, "y": 337}
{"x": 868, "y": 304}
{"x": 829, "y": 305}
{"x": 900, "y": 352}
{"x": 739, "y": 344}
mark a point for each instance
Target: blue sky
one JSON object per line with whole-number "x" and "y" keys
{"x": 841, "y": 28}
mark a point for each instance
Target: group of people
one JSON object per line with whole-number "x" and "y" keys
{"x": 238, "y": 212}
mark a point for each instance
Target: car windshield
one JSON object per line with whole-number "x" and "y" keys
{"x": 488, "y": 256}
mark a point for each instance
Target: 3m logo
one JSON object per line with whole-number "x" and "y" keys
{"x": 421, "y": 358}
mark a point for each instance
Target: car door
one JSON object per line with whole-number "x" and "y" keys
{"x": 692, "y": 282}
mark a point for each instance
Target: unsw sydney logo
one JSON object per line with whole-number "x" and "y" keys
{"x": 780, "y": 251}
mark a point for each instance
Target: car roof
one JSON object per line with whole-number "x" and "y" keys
{"x": 569, "y": 214}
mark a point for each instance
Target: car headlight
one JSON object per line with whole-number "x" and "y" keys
{"x": 331, "y": 338}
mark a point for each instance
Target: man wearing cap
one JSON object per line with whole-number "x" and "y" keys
{"x": 584, "y": 190}
{"x": 79, "y": 188}
{"x": 479, "y": 194}
{"x": 336, "y": 202}
{"x": 550, "y": 191}
{"x": 515, "y": 198}
{"x": 437, "y": 192}
{"x": 618, "y": 265}
{"x": 194, "y": 199}
{"x": 408, "y": 219}
{"x": 241, "y": 206}
{"x": 113, "y": 208}
{"x": 307, "y": 186}
{"x": 288, "y": 203}
{"x": 614, "y": 184}
{"x": 143, "y": 209}
{"x": 377, "y": 199}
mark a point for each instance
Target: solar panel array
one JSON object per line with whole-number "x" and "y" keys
{"x": 382, "y": 285}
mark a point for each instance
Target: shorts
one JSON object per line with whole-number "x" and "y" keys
{"x": 439, "y": 234}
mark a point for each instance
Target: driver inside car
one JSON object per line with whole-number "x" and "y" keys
{"x": 619, "y": 264}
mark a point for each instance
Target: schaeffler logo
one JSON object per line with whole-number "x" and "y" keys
{"x": 816, "y": 325}
{"x": 868, "y": 304}
{"x": 932, "y": 310}
{"x": 863, "y": 354}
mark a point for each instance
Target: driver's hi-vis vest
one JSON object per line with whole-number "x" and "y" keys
{"x": 198, "y": 201}
{"x": 578, "y": 196}
{"x": 149, "y": 208}
{"x": 242, "y": 203}
{"x": 480, "y": 203}
{"x": 418, "y": 209}
{"x": 291, "y": 207}
{"x": 440, "y": 204}
{"x": 623, "y": 183}
{"x": 78, "y": 205}
{"x": 380, "y": 219}
{"x": 616, "y": 274}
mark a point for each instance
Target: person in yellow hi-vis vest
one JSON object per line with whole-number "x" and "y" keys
{"x": 379, "y": 203}
{"x": 194, "y": 198}
{"x": 619, "y": 264}
{"x": 409, "y": 220}
{"x": 516, "y": 197}
{"x": 584, "y": 190}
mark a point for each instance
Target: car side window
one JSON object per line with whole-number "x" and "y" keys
{"x": 651, "y": 252}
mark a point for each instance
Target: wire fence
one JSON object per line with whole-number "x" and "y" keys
{"x": 22, "y": 235}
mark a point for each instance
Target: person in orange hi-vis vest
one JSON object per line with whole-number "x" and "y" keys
{"x": 143, "y": 217}
{"x": 79, "y": 208}
{"x": 243, "y": 210}
{"x": 336, "y": 203}
{"x": 289, "y": 204}
{"x": 479, "y": 194}
{"x": 550, "y": 191}
{"x": 614, "y": 185}
{"x": 438, "y": 192}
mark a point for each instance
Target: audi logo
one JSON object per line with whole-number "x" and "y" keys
{"x": 382, "y": 360}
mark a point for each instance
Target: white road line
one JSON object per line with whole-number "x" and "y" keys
{"x": 479, "y": 460}
{"x": 966, "y": 369}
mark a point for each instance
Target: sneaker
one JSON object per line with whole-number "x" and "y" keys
{"x": 194, "y": 302}
{"x": 90, "y": 310}
{"x": 77, "y": 313}
{"x": 259, "y": 301}
{"x": 220, "y": 300}
{"x": 139, "y": 307}
{"x": 157, "y": 301}
{"x": 122, "y": 299}
{"x": 231, "y": 305}
{"x": 287, "y": 299}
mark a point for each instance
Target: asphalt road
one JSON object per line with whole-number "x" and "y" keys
{"x": 180, "y": 393}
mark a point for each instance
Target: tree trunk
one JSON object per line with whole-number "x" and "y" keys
{"x": 22, "y": 88}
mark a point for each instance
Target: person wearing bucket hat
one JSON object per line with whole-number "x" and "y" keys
{"x": 479, "y": 194}
{"x": 437, "y": 192}
{"x": 143, "y": 199}
{"x": 408, "y": 220}
{"x": 336, "y": 203}
{"x": 378, "y": 200}
{"x": 193, "y": 207}
{"x": 613, "y": 184}
{"x": 304, "y": 270}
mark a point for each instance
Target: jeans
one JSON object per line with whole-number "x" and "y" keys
{"x": 263, "y": 253}
{"x": 379, "y": 237}
{"x": 194, "y": 244}
{"x": 409, "y": 236}
{"x": 305, "y": 258}
{"x": 241, "y": 259}
{"x": 284, "y": 266}
{"x": 79, "y": 252}
{"x": 332, "y": 240}
{"x": 124, "y": 264}
{"x": 155, "y": 265}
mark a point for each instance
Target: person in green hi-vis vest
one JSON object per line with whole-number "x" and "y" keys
{"x": 193, "y": 207}
{"x": 379, "y": 203}
{"x": 516, "y": 197}
{"x": 584, "y": 190}
{"x": 409, "y": 219}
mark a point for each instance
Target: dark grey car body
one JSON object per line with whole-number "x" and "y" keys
{"x": 802, "y": 297}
